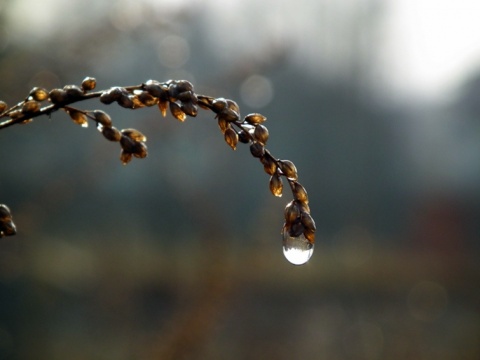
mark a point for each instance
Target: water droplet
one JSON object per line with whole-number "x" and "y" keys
{"x": 297, "y": 250}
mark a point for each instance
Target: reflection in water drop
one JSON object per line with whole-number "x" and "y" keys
{"x": 297, "y": 250}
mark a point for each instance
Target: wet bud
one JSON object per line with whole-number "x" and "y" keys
{"x": 218, "y": 105}
{"x": 309, "y": 235}
{"x": 308, "y": 221}
{"x": 300, "y": 193}
{"x": 276, "y": 185}
{"x": 39, "y": 94}
{"x": 3, "y": 106}
{"x": 269, "y": 165}
{"x": 288, "y": 169}
{"x": 154, "y": 88}
{"x": 177, "y": 112}
{"x": 229, "y": 115}
{"x": 134, "y": 134}
{"x": 127, "y": 144}
{"x": 107, "y": 97}
{"x": 111, "y": 133}
{"x": 255, "y": 118}
{"x": 7, "y": 228}
{"x": 78, "y": 117}
{"x": 89, "y": 83}
{"x": 244, "y": 137}
{"x": 58, "y": 96}
{"x": 292, "y": 212}
{"x": 257, "y": 150}
{"x": 163, "y": 106}
{"x": 231, "y": 138}
{"x": 147, "y": 99}
{"x": 140, "y": 150}
{"x": 125, "y": 157}
{"x": 184, "y": 85}
{"x": 73, "y": 92}
{"x": 31, "y": 107}
{"x": 232, "y": 105}
{"x": 261, "y": 134}
{"x": 102, "y": 118}
{"x": 296, "y": 229}
{"x": 126, "y": 101}
{"x": 5, "y": 213}
{"x": 189, "y": 108}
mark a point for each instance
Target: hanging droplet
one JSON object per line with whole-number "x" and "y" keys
{"x": 297, "y": 250}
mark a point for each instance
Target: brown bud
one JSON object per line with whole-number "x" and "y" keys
{"x": 107, "y": 97}
{"x": 5, "y": 213}
{"x": 292, "y": 212}
{"x": 134, "y": 134}
{"x": 189, "y": 108}
{"x": 255, "y": 118}
{"x": 3, "y": 106}
{"x": 126, "y": 101}
{"x": 147, "y": 99}
{"x": 78, "y": 117}
{"x": 111, "y": 133}
{"x": 300, "y": 193}
{"x": 232, "y": 105}
{"x": 231, "y": 138}
{"x": 177, "y": 112}
{"x": 163, "y": 106}
{"x": 229, "y": 115}
{"x": 140, "y": 150}
{"x": 304, "y": 207}
{"x": 184, "y": 85}
{"x": 297, "y": 229}
{"x": 125, "y": 157}
{"x": 137, "y": 104}
{"x": 154, "y": 88}
{"x": 308, "y": 221}
{"x": 31, "y": 107}
{"x": 309, "y": 235}
{"x": 127, "y": 144}
{"x": 261, "y": 134}
{"x": 223, "y": 125}
{"x": 89, "y": 83}
{"x": 39, "y": 94}
{"x": 73, "y": 92}
{"x": 218, "y": 105}
{"x": 289, "y": 169}
{"x": 58, "y": 96}
{"x": 187, "y": 96}
{"x": 15, "y": 114}
{"x": 269, "y": 165}
{"x": 244, "y": 137}
{"x": 276, "y": 185}
{"x": 7, "y": 228}
{"x": 257, "y": 149}
{"x": 102, "y": 118}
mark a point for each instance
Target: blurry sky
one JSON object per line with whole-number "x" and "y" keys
{"x": 424, "y": 50}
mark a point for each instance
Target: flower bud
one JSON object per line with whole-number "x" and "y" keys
{"x": 189, "y": 108}
{"x": 154, "y": 88}
{"x": 3, "y": 106}
{"x": 269, "y": 165}
{"x": 111, "y": 133}
{"x": 289, "y": 169}
{"x": 308, "y": 221}
{"x": 223, "y": 125}
{"x": 134, "y": 134}
{"x": 147, "y": 99}
{"x": 89, "y": 83}
{"x": 78, "y": 117}
{"x": 229, "y": 115}
{"x": 218, "y": 105}
{"x": 125, "y": 157}
{"x": 58, "y": 96}
{"x": 231, "y": 138}
{"x": 244, "y": 136}
{"x": 261, "y": 134}
{"x": 127, "y": 144}
{"x": 292, "y": 212}
{"x": 163, "y": 106}
{"x": 257, "y": 149}
{"x": 232, "y": 105}
{"x": 276, "y": 185}
{"x": 177, "y": 112}
{"x": 300, "y": 193}
{"x": 140, "y": 150}
{"x": 31, "y": 107}
{"x": 102, "y": 118}
{"x": 39, "y": 94}
{"x": 255, "y": 118}
{"x": 126, "y": 101}
{"x": 184, "y": 85}
{"x": 73, "y": 92}
{"x": 5, "y": 213}
{"x": 7, "y": 228}
{"x": 309, "y": 235}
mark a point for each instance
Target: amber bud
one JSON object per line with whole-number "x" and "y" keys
{"x": 231, "y": 138}
{"x": 39, "y": 94}
{"x": 3, "y": 106}
{"x": 111, "y": 133}
{"x": 257, "y": 150}
{"x": 255, "y": 118}
{"x": 58, "y": 96}
{"x": 261, "y": 134}
{"x": 177, "y": 112}
{"x": 89, "y": 83}
{"x": 300, "y": 193}
{"x": 289, "y": 169}
{"x": 134, "y": 134}
{"x": 292, "y": 212}
{"x": 102, "y": 118}
{"x": 276, "y": 185}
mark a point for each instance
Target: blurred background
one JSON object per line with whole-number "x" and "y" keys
{"x": 179, "y": 256}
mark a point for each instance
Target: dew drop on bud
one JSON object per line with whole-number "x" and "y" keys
{"x": 297, "y": 250}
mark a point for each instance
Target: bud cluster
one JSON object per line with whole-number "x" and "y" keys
{"x": 179, "y": 98}
{"x": 7, "y": 227}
